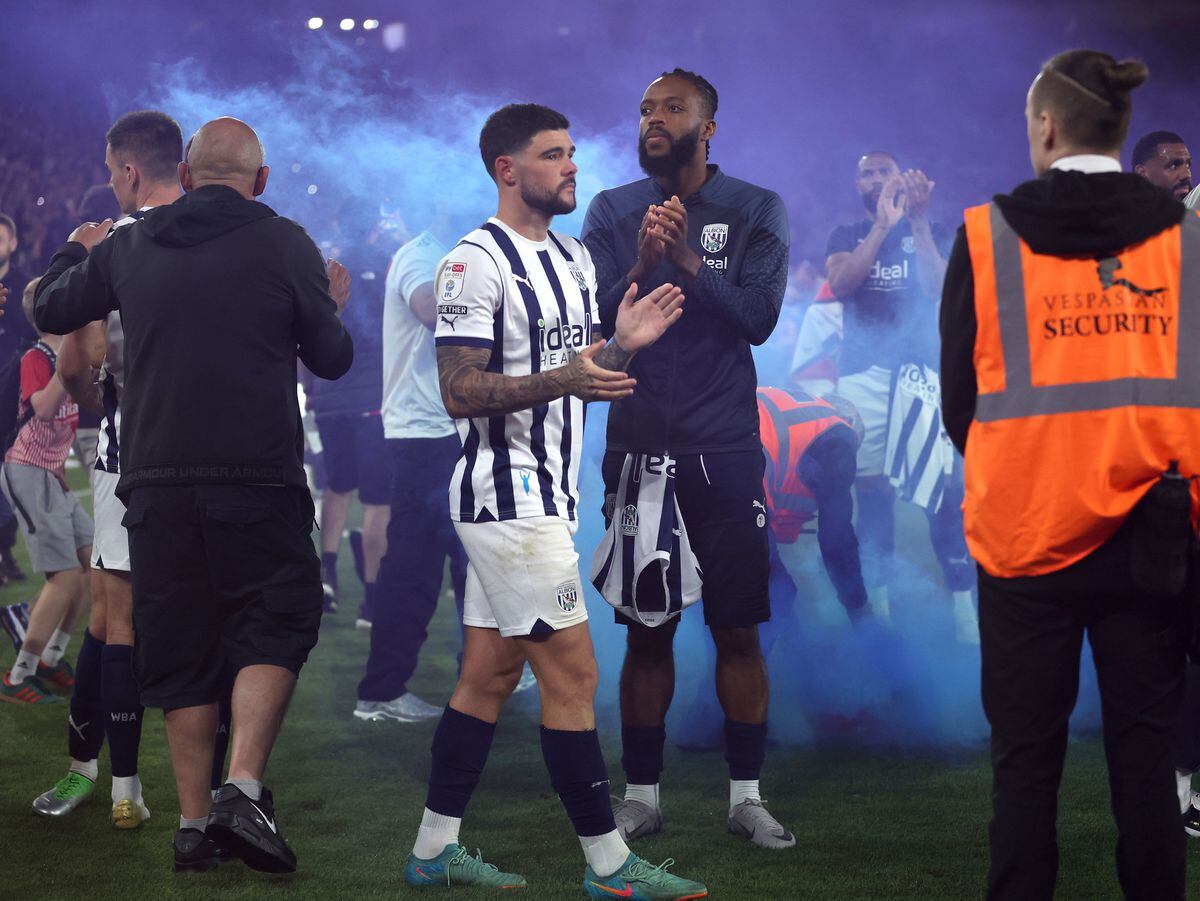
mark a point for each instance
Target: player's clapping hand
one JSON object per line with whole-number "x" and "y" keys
{"x": 673, "y": 229}
{"x": 339, "y": 283}
{"x": 917, "y": 187}
{"x": 3, "y": 298}
{"x": 586, "y": 379}
{"x": 91, "y": 233}
{"x": 650, "y": 243}
{"x": 890, "y": 208}
{"x": 642, "y": 322}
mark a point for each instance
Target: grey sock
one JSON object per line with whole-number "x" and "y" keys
{"x": 251, "y": 788}
{"x": 185, "y": 823}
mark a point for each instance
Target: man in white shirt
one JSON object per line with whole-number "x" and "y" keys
{"x": 424, "y": 446}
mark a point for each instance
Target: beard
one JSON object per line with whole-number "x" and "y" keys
{"x": 679, "y": 153}
{"x": 552, "y": 203}
{"x": 871, "y": 200}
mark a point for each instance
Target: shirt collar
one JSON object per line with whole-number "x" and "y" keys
{"x": 714, "y": 178}
{"x": 1087, "y": 163}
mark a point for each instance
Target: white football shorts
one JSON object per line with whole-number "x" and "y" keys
{"x": 523, "y": 577}
{"x": 110, "y": 547}
{"x": 871, "y": 393}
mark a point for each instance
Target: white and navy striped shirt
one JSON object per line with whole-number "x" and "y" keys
{"x": 112, "y": 380}
{"x": 533, "y": 305}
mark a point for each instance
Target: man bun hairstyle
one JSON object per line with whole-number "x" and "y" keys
{"x": 1148, "y": 146}
{"x": 510, "y": 129}
{"x": 150, "y": 140}
{"x": 1088, "y": 91}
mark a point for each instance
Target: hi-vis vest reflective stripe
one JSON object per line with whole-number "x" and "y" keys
{"x": 787, "y": 426}
{"x": 1088, "y": 373}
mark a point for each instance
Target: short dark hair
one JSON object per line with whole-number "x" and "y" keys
{"x": 510, "y": 129}
{"x": 1089, "y": 93}
{"x": 708, "y": 94}
{"x": 150, "y": 139}
{"x": 1147, "y": 147}
{"x": 99, "y": 203}
{"x": 7, "y": 221}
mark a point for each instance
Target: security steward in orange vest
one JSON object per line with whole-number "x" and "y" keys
{"x": 810, "y": 448}
{"x": 1070, "y": 325}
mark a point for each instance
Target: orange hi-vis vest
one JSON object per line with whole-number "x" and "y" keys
{"x": 1088, "y": 373}
{"x": 787, "y": 426}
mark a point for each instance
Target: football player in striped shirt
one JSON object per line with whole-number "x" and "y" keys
{"x": 518, "y": 355}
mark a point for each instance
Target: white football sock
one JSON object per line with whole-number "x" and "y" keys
{"x": 743, "y": 790}
{"x": 56, "y": 647}
{"x": 1183, "y": 785}
{"x": 251, "y": 788}
{"x": 198, "y": 823}
{"x": 606, "y": 853}
{"x": 26, "y": 666}
{"x": 880, "y": 606}
{"x": 647, "y": 794}
{"x": 127, "y": 788}
{"x": 88, "y": 768}
{"x": 435, "y": 833}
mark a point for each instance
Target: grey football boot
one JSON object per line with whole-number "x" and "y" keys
{"x": 751, "y": 820}
{"x": 637, "y": 819}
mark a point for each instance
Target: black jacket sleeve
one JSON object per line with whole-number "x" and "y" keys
{"x": 957, "y": 325}
{"x": 753, "y": 306}
{"x": 76, "y": 289}
{"x": 324, "y": 344}
{"x": 828, "y": 468}
{"x": 597, "y": 236}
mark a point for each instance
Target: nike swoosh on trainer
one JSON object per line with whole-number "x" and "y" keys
{"x": 627, "y": 892}
{"x": 270, "y": 823}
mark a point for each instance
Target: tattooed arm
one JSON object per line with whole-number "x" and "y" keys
{"x": 595, "y": 373}
{"x": 469, "y": 391}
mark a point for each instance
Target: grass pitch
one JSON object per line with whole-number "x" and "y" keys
{"x": 349, "y": 794}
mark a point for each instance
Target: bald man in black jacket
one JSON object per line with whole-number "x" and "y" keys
{"x": 218, "y": 296}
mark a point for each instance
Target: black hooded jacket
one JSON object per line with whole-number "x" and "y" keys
{"x": 1063, "y": 214}
{"x": 218, "y": 295}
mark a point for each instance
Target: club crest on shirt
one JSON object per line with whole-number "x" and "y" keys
{"x": 908, "y": 244}
{"x": 567, "y": 596}
{"x": 629, "y": 521}
{"x": 577, "y": 274}
{"x": 452, "y": 279}
{"x": 713, "y": 237}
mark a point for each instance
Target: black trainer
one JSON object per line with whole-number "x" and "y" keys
{"x": 195, "y": 852}
{"x": 1191, "y": 819}
{"x": 247, "y": 829}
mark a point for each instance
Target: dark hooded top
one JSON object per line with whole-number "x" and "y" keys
{"x": 218, "y": 297}
{"x": 1062, "y": 214}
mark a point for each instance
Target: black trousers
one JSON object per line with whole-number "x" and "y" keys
{"x": 1032, "y": 632}
{"x": 420, "y": 537}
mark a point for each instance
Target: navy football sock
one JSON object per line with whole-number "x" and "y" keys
{"x": 642, "y": 753}
{"x": 123, "y": 710}
{"x": 745, "y": 749}
{"x": 329, "y": 568}
{"x": 579, "y": 776}
{"x": 85, "y": 726}
{"x": 460, "y": 748}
